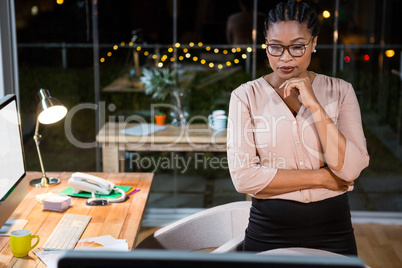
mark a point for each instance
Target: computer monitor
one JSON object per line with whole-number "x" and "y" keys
{"x": 13, "y": 186}
{"x": 183, "y": 259}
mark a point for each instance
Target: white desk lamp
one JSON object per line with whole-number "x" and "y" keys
{"x": 50, "y": 111}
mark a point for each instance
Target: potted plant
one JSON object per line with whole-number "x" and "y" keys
{"x": 160, "y": 118}
{"x": 161, "y": 83}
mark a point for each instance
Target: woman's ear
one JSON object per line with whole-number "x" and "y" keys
{"x": 315, "y": 42}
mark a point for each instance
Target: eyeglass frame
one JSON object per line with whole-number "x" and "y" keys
{"x": 287, "y": 48}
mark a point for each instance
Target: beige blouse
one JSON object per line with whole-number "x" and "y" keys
{"x": 264, "y": 136}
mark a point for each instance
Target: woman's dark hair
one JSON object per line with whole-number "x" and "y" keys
{"x": 293, "y": 10}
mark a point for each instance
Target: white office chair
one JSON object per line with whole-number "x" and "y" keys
{"x": 302, "y": 252}
{"x": 220, "y": 228}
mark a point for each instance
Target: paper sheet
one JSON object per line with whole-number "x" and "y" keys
{"x": 50, "y": 258}
{"x": 106, "y": 242}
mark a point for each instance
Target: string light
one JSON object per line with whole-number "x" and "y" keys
{"x": 187, "y": 55}
{"x": 389, "y": 53}
{"x": 326, "y": 14}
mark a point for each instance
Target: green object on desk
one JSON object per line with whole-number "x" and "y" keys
{"x": 113, "y": 194}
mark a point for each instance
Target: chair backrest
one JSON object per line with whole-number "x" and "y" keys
{"x": 300, "y": 252}
{"x": 310, "y": 252}
{"x": 209, "y": 228}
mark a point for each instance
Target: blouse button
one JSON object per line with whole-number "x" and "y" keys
{"x": 301, "y": 163}
{"x": 297, "y": 142}
{"x": 307, "y": 200}
{"x": 294, "y": 122}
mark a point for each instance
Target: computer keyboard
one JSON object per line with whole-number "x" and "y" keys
{"x": 67, "y": 232}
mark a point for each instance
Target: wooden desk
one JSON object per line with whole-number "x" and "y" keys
{"x": 120, "y": 220}
{"x": 192, "y": 138}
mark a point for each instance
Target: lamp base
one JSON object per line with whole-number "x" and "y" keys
{"x": 44, "y": 181}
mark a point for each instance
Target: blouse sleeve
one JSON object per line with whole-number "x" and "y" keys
{"x": 350, "y": 125}
{"x": 248, "y": 174}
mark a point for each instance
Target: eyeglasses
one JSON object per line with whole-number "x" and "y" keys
{"x": 297, "y": 50}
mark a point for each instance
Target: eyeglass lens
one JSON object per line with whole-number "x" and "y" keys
{"x": 294, "y": 50}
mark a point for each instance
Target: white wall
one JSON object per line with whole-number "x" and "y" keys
{"x": 8, "y": 49}
{"x": 1, "y": 72}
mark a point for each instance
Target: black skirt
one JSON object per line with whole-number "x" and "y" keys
{"x": 278, "y": 223}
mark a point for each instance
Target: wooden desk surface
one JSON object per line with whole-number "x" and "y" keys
{"x": 191, "y": 133}
{"x": 189, "y": 138}
{"x": 120, "y": 220}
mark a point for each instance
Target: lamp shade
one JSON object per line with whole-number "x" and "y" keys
{"x": 50, "y": 110}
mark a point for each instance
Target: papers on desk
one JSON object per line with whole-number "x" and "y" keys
{"x": 142, "y": 130}
{"x": 107, "y": 242}
{"x": 50, "y": 258}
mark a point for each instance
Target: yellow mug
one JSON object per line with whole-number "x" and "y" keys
{"x": 21, "y": 241}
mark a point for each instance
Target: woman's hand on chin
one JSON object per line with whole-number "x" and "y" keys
{"x": 303, "y": 89}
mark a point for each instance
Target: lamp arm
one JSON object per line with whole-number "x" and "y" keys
{"x": 37, "y": 140}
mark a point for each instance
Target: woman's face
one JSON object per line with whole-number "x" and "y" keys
{"x": 285, "y": 34}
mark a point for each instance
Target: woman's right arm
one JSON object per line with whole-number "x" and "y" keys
{"x": 286, "y": 181}
{"x": 250, "y": 177}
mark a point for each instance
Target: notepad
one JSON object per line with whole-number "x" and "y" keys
{"x": 57, "y": 202}
{"x": 113, "y": 194}
{"x": 142, "y": 130}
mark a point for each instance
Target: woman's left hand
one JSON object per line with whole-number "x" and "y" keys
{"x": 302, "y": 88}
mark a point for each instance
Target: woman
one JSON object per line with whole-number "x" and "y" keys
{"x": 295, "y": 143}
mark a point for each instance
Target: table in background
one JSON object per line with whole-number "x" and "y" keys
{"x": 120, "y": 220}
{"x": 189, "y": 138}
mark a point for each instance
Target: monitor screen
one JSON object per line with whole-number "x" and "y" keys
{"x": 12, "y": 164}
{"x": 183, "y": 259}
